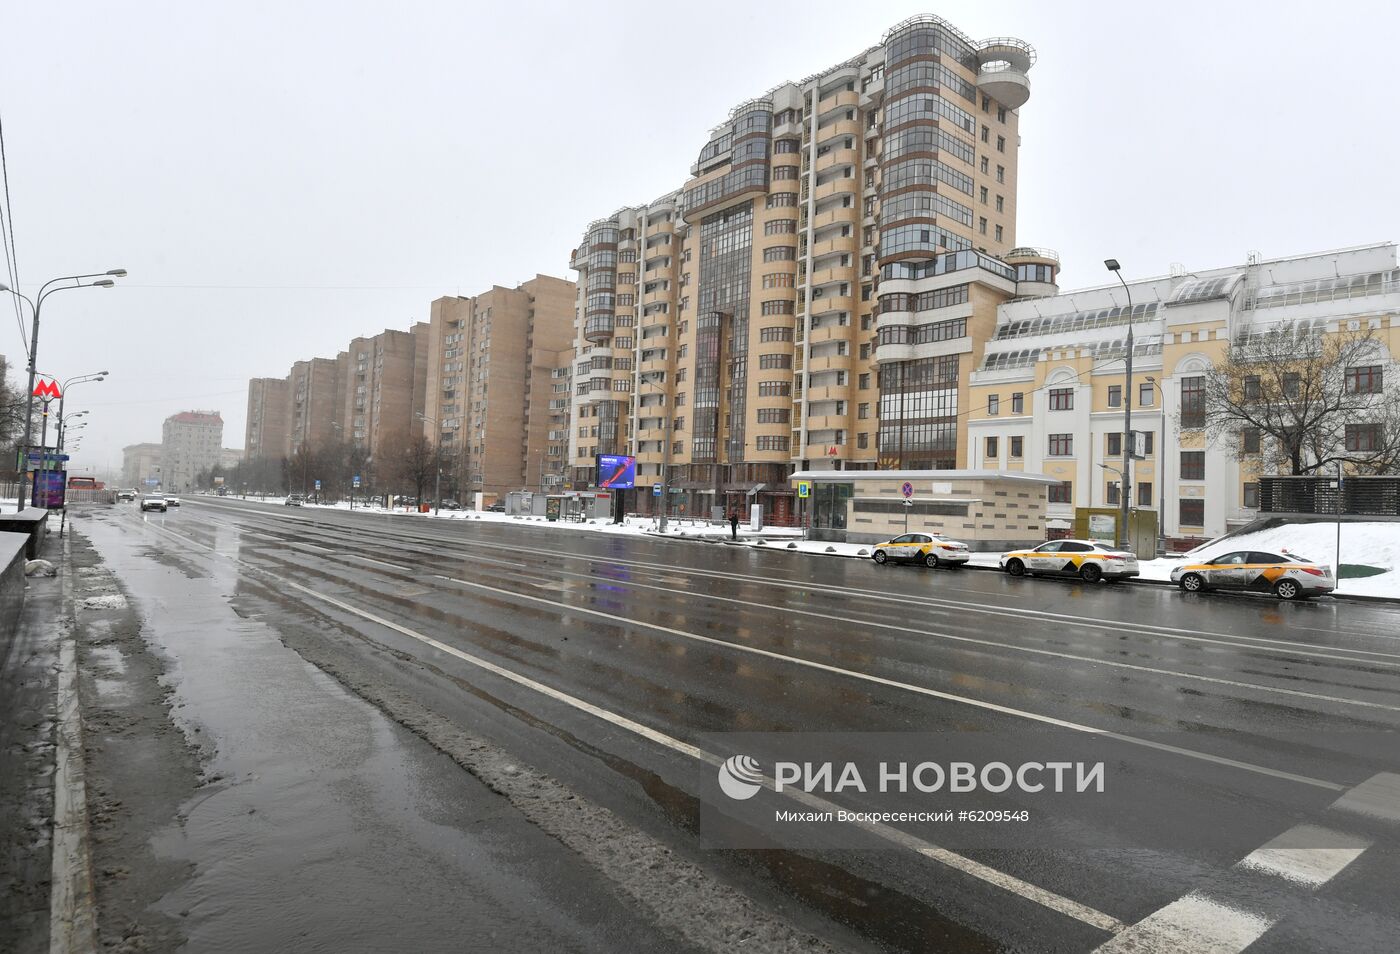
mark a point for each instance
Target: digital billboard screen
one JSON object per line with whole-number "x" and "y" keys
{"x": 617, "y": 471}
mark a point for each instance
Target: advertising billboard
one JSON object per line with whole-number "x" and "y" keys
{"x": 49, "y": 486}
{"x": 617, "y": 471}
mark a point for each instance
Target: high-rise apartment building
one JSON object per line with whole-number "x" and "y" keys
{"x": 141, "y": 465}
{"x": 191, "y": 442}
{"x": 315, "y": 402}
{"x": 383, "y": 389}
{"x": 267, "y": 433}
{"x": 818, "y": 293}
{"x": 490, "y": 377}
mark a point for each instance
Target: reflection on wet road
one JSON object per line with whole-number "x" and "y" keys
{"x": 628, "y": 654}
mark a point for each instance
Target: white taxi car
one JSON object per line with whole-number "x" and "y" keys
{"x": 930, "y": 549}
{"x": 1285, "y": 575}
{"x": 1089, "y": 560}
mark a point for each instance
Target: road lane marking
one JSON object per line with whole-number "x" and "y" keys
{"x": 909, "y": 687}
{"x": 1378, "y": 797}
{"x": 1306, "y": 855}
{"x": 1191, "y": 925}
{"x": 1256, "y": 643}
{"x": 989, "y": 875}
{"x": 1011, "y": 646}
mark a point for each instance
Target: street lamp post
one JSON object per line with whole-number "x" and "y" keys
{"x": 104, "y": 280}
{"x": 1161, "y": 469}
{"x": 63, "y": 396}
{"x": 1123, "y": 540}
{"x": 437, "y": 451}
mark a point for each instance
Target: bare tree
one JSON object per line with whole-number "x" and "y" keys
{"x": 411, "y": 460}
{"x": 1302, "y": 400}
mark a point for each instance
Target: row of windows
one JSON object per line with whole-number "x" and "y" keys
{"x": 927, "y": 107}
{"x": 769, "y": 362}
{"x": 927, "y": 172}
{"x": 928, "y": 75}
{"x": 919, "y": 238}
{"x": 768, "y": 442}
{"x": 923, "y": 334}
{"x": 773, "y": 415}
{"x": 784, "y": 307}
{"x": 780, "y": 227}
{"x": 775, "y": 333}
{"x": 780, "y": 253}
{"x": 925, "y": 301}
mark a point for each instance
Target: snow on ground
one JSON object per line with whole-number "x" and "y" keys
{"x": 1369, "y": 544}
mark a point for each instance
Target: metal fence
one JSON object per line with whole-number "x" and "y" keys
{"x": 1366, "y": 496}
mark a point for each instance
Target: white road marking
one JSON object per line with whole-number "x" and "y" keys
{"x": 1306, "y": 855}
{"x": 1192, "y": 925}
{"x": 1000, "y": 879}
{"x": 1011, "y": 646}
{"x": 1378, "y": 797}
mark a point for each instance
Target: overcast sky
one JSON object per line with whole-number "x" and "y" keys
{"x": 281, "y": 177}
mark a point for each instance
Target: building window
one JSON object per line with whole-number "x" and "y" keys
{"x": 863, "y": 440}
{"x": 1001, "y": 144}
{"x": 1115, "y": 395}
{"x": 778, "y": 280}
{"x": 863, "y": 411}
{"x": 1001, "y": 203}
{"x": 864, "y": 382}
{"x": 986, "y": 133}
{"x": 993, "y": 405}
{"x": 773, "y": 415}
{"x": 1193, "y": 402}
{"x": 1191, "y": 513}
{"x": 1114, "y": 443}
{"x": 999, "y": 233}
{"x": 780, "y": 227}
{"x": 1144, "y": 489}
{"x": 982, "y": 225}
{"x": 991, "y": 448}
{"x": 780, "y": 253}
{"x": 1292, "y": 384}
{"x": 1145, "y": 396}
{"x": 1249, "y": 440}
{"x": 1001, "y": 114}
{"x": 1062, "y": 399}
{"x": 1365, "y": 380}
{"x": 1063, "y": 492}
{"x": 1018, "y": 403}
{"x": 1365, "y": 437}
{"x": 1001, "y": 173}
{"x": 1061, "y": 445}
{"x": 1193, "y": 465}
{"x": 982, "y": 194}
{"x": 1113, "y": 494}
{"x": 1251, "y": 387}
{"x": 1251, "y": 495}
{"x": 1016, "y": 448}
{"x": 984, "y": 165}
{"x": 770, "y": 361}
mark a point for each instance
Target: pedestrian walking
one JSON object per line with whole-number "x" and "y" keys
{"x": 733, "y": 524}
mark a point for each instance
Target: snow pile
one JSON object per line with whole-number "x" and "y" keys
{"x": 1368, "y": 544}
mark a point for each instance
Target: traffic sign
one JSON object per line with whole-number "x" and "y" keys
{"x": 804, "y": 488}
{"x": 907, "y": 489}
{"x": 656, "y": 490}
{"x": 318, "y": 485}
{"x": 357, "y": 481}
{"x": 35, "y": 455}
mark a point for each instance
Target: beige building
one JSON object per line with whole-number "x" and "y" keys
{"x": 817, "y": 294}
{"x": 315, "y": 391}
{"x": 191, "y": 443}
{"x": 491, "y": 371}
{"x": 1049, "y": 392}
{"x": 141, "y": 465}
{"x": 267, "y": 432}
{"x": 383, "y": 389}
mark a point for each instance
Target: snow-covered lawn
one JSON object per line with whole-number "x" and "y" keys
{"x": 1368, "y": 544}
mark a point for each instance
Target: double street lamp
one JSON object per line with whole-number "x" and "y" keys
{"x": 103, "y": 280}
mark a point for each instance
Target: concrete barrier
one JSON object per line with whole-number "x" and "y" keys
{"x": 12, "y": 559}
{"x": 33, "y": 522}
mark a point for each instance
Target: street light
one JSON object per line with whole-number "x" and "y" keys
{"x": 437, "y": 445}
{"x": 35, "y": 306}
{"x": 63, "y": 396}
{"x": 1112, "y": 265}
{"x": 666, "y": 435}
{"x": 1161, "y": 469}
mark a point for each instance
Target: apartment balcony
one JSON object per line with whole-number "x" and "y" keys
{"x": 831, "y": 332}
{"x": 1005, "y": 84}
{"x": 836, "y": 98}
{"x": 841, "y": 127}
{"x": 827, "y": 422}
{"x": 834, "y": 392}
{"x": 841, "y": 186}
{"x": 834, "y": 274}
{"x": 831, "y": 303}
{"x": 838, "y": 215}
{"x": 836, "y": 158}
{"x": 830, "y": 362}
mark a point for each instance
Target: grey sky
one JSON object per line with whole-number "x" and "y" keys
{"x": 279, "y": 178}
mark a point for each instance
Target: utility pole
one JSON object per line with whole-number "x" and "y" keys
{"x": 1123, "y": 536}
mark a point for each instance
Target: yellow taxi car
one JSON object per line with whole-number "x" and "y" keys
{"x": 1087, "y": 559}
{"x": 927, "y": 548}
{"x": 1285, "y": 575}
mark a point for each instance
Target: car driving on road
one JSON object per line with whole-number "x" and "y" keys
{"x": 295, "y": 500}
{"x": 153, "y": 502}
{"x": 171, "y": 500}
{"x": 126, "y": 496}
{"x": 1285, "y": 575}
{"x": 930, "y": 549}
{"x": 1089, "y": 560}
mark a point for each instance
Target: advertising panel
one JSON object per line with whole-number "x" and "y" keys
{"x": 617, "y": 471}
{"x": 49, "y": 487}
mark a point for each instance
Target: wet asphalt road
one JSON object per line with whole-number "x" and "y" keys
{"x": 606, "y": 662}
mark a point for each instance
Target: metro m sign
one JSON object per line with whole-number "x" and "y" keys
{"x": 48, "y": 390}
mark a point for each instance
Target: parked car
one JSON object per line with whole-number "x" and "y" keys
{"x": 496, "y": 507}
{"x": 295, "y": 500}
{"x": 930, "y": 549}
{"x": 1285, "y": 575}
{"x": 451, "y": 505}
{"x": 153, "y": 502}
{"x": 126, "y": 496}
{"x": 1089, "y": 560}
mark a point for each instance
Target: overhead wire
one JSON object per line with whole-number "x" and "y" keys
{"x": 7, "y": 238}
